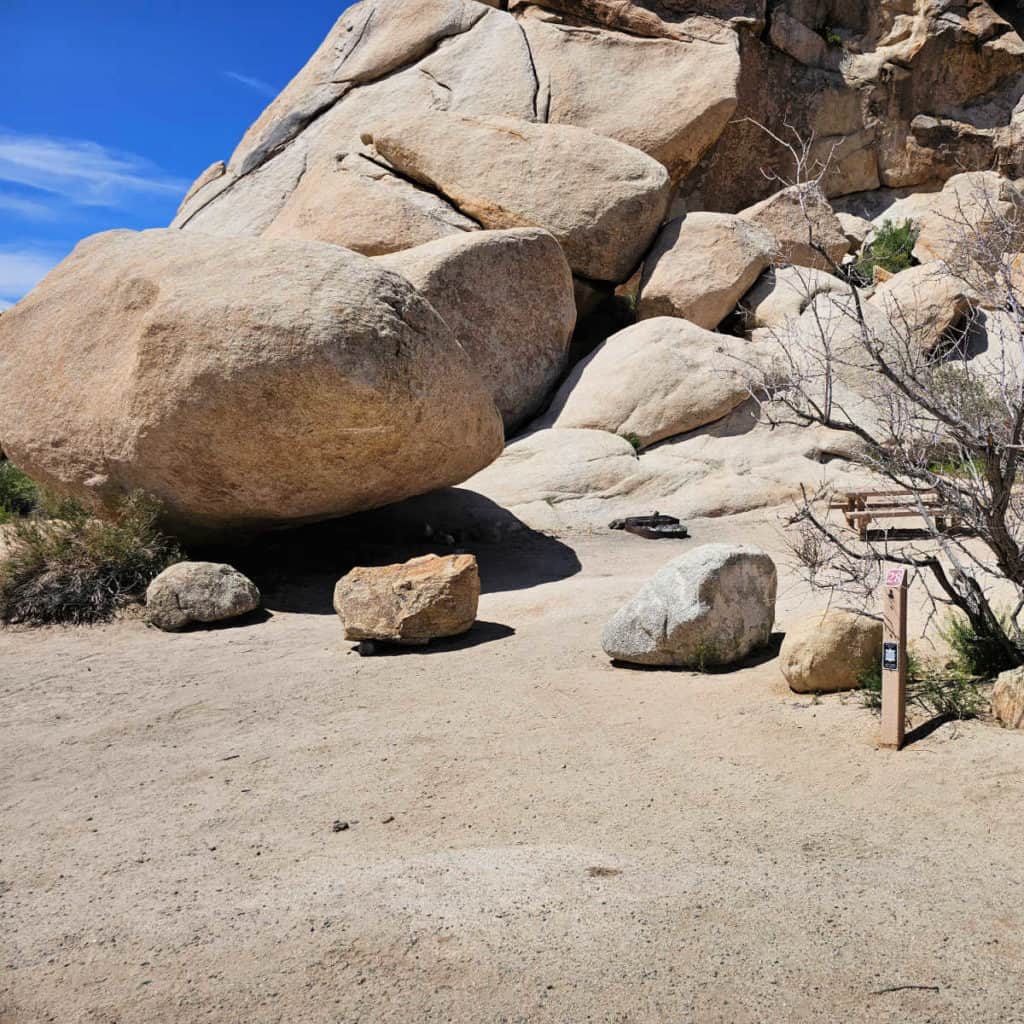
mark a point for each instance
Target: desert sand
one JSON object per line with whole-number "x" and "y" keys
{"x": 533, "y": 834}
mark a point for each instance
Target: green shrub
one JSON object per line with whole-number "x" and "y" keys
{"x": 831, "y": 36}
{"x": 974, "y": 655}
{"x": 66, "y": 565}
{"x": 634, "y": 440}
{"x": 18, "y": 493}
{"x": 892, "y": 249}
{"x": 936, "y": 691}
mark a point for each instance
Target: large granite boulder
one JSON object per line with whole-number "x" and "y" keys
{"x": 356, "y": 203}
{"x": 244, "y": 384}
{"x": 411, "y": 603}
{"x": 653, "y": 380}
{"x": 701, "y": 265}
{"x": 710, "y": 607}
{"x": 601, "y": 199}
{"x": 188, "y": 593}
{"x": 508, "y": 298}
{"x": 923, "y": 304}
{"x": 829, "y": 651}
{"x": 670, "y": 98}
{"x": 806, "y": 231}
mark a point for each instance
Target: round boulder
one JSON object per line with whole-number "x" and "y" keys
{"x": 244, "y": 383}
{"x": 829, "y": 651}
{"x": 708, "y": 608}
{"x": 191, "y": 592}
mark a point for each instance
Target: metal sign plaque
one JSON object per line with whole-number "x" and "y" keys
{"x": 890, "y": 657}
{"x": 895, "y": 577}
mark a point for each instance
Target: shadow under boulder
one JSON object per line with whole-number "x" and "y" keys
{"x": 296, "y": 570}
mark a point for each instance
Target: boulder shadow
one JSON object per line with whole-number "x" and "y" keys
{"x": 761, "y": 656}
{"x": 482, "y": 632}
{"x": 296, "y": 570}
{"x": 253, "y": 618}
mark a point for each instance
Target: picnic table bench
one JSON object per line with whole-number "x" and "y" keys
{"x": 861, "y": 508}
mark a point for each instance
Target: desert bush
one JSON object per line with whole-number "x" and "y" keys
{"x": 973, "y": 654}
{"x": 65, "y": 564}
{"x": 937, "y": 691}
{"x": 891, "y": 249}
{"x": 18, "y": 493}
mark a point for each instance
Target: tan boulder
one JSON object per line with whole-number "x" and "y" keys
{"x": 783, "y": 293}
{"x": 508, "y": 298}
{"x": 364, "y": 207}
{"x": 602, "y": 200}
{"x": 1008, "y": 698}
{"x": 701, "y": 265}
{"x": 412, "y": 603}
{"x": 656, "y": 379}
{"x": 669, "y": 98}
{"x": 829, "y": 651}
{"x": 923, "y": 303}
{"x": 855, "y": 228}
{"x": 243, "y": 384}
{"x": 801, "y": 221}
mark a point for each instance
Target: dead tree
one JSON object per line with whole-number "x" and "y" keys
{"x": 940, "y": 419}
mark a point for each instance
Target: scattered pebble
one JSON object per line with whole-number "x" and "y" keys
{"x": 387, "y": 821}
{"x": 339, "y": 826}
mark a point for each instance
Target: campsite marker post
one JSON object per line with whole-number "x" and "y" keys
{"x": 894, "y": 659}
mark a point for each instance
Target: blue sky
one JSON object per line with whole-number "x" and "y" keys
{"x": 109, "y": 109}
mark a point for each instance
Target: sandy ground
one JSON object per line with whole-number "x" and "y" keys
{"x": 533, "y": 834}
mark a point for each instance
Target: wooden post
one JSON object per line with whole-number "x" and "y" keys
{"x": 894, "y": 659}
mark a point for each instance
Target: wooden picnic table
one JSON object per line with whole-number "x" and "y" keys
{"x": 861, "y": 508}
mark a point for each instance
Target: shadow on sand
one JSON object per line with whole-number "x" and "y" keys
{"x": 762, "y": 656}
{"x": 481, "y": 633}
{"x": 296, "y": 570}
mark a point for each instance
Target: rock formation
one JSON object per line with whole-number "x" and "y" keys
{"x": 513, "y": 167}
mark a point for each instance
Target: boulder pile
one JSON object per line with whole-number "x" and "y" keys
{"x": 378, "y": 289}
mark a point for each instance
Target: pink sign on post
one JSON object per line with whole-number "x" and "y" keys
{"x": 895, "y": 577}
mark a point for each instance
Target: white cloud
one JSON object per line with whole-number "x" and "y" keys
{"x": 21, "y": 269}
{"x": 83, "y": 172}
{"x": 256, "y": 84}
{"x": 4, "y": 304}
{"x": 29, "y": 209}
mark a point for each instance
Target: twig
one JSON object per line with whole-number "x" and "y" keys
{"x": 906, "y": 988}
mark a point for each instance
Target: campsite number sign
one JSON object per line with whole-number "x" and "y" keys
{"x": 894, "y": 659}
